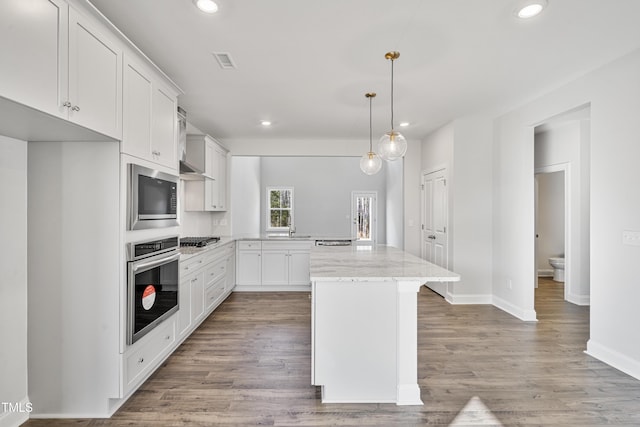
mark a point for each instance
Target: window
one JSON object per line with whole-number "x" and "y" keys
{"x": 279, "y": 208}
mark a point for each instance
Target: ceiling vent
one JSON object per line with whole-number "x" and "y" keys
{"x": 225, "y": 60}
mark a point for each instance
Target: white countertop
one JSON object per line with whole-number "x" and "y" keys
{"x": 379, "y": 263}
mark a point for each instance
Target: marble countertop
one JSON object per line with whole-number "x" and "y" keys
{"x": 379, "y": 263}
{"x": 187, "y": 252}
{"x": 285, "y": 236}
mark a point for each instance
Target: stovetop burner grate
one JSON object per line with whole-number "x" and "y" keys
{"x": 198, "y": 241}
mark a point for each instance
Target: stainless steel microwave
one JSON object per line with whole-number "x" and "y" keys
{"x": 153, "y": 198}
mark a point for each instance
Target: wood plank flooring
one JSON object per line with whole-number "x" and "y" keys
{"x": 249, "y": 364}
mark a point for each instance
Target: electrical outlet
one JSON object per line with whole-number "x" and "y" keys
{"x": 631, "y": 238}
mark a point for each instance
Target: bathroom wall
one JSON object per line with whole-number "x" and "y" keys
{"x": 549, "y": 220}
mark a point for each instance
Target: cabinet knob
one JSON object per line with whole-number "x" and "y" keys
{"x": 141, "y": 360}
{"x": 168, "y": 337}
{"x": 75, "y": 108}
{"x": 67, "y": 104}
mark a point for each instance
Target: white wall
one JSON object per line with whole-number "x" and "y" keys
{"x": 245, "y": 195}
{"x": 464, "y": 147}
{"x": 394, "y": 190}
{"x": 549, "y": 220}
{"x": 411, "y": 197}
{"x": 13, "y": 279}
{"x": 322, "y": 192}
{"x": 614, "y": 95}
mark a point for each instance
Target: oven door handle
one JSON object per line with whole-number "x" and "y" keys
{"x": 151, "y": 264}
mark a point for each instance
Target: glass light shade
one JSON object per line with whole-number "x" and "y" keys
{"x": 370, "y": 163}
{"x": 392, "y": 146}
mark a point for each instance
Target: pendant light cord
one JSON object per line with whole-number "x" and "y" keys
{"x": 392, "y": 61}
{"x": 370, "y": 127}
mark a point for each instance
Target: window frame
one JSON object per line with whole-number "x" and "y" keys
{"x": 268, "y": 208}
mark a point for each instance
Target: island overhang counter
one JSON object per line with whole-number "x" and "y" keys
{"x": 364, "y": 322}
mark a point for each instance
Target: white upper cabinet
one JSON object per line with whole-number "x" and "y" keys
{"x": 95, "y": 78}
{"x": 55, "y": 60}
{"x": 164, "y": 131}
{"x": 211, "y": 193}
{"x": 34, "y": 61}
{"x": 150, "y": 116}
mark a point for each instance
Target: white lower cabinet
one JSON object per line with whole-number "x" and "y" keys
{"x": 203, "y": 286}
{"x": 268, "y": 264}
{"x": 151, "y": 349}
{"x": 249, "y": 266}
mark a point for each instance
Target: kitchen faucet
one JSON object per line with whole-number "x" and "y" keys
{"x": 292, "y": 230}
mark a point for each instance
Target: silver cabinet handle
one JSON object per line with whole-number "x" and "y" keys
{"x": 75, "y": 108}
{"x": 141, "y": 360}
{"x": 67, "y": 104}
{"x": 432, "y": 237}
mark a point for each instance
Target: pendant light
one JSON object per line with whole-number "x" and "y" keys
{"x": 393, "y": 144}
{"x": 370, "y": 163}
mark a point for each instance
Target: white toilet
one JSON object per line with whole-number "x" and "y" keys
{"x": 558, "y": 268}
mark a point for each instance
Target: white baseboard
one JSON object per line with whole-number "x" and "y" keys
{"x": 272, "y": 288}
{"x": 613, "y": 358}
{"x": 579, "y": 299}
{"x": 17, "y": 417}
{"x": 522, "y": 314}
{"x": 468, "y": 299}
{"x": 545, "y": 273}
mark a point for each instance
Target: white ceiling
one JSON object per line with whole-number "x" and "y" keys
{"x": 306, "y": 65}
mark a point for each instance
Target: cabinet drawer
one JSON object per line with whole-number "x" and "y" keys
{"x": 288, "y": 245}
{"x": 213, "y": 294}
{"x": 191, "y": 265}
{"x": 249, "y": 245}
{"x": 143, "y": 360}
{"x": 215, "y": 272}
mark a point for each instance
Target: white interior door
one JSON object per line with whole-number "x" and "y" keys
{"x": 434, "y": 222}
{"x": 363, "y": 214}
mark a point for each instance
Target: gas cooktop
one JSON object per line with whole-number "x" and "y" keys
{"x": 198, "y": 242}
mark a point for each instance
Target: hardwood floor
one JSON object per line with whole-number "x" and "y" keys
{"x": 249, "y": 364}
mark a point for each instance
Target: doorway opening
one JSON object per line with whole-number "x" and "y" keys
{"x": 551, "y": 226}
{"x": 364, "y": 212}
{"x": 562, "y": 208}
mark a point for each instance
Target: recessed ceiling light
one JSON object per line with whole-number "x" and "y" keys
{"x": 530, "y": 8}
{"x": 265, "y": 123}
{"x": 404, "y": 124}
{"x": 207, "y": 6}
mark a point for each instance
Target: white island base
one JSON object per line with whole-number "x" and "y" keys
{"x": 364, "y": 324}
{"x": 365, "y": 342}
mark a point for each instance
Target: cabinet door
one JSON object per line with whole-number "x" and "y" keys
{"x": 299, "y": 267}
{"x": 222, "y": 179}
{"x": 164, "y": 135}
{"x": 230, "y": 279}
{"x": 184, "y": 301}
{"x": 34, "y": 46}
{"x": 275, "y": 267}
{"x": 197, "y": 296}
{"x": 249, "y": 268}
{"x": 138, "y": 91}
{"x": 95, "y": 78}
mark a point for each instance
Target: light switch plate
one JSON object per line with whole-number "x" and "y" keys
{"x": 631, "y": 238}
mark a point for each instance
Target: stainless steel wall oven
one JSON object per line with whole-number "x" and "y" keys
{"x": 152, "y": 285}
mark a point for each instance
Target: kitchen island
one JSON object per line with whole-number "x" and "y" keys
{"x": 364, "y": 322}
